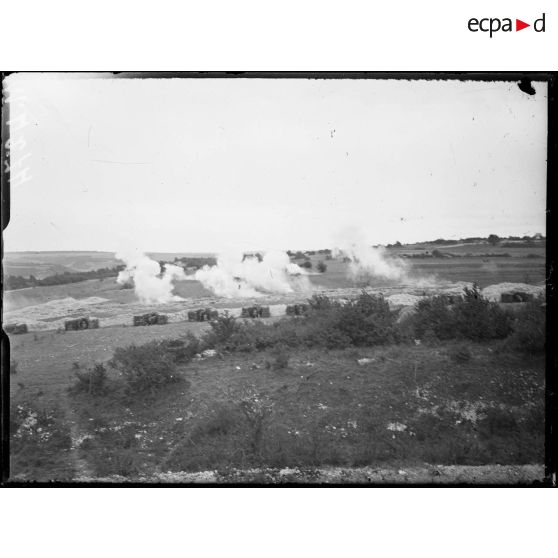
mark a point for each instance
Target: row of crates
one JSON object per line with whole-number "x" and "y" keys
{"x": 152, "y": 318}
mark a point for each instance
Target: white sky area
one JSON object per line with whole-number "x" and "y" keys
{"x": 211, "y": 164}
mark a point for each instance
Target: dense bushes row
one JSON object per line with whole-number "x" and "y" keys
{"x": 472, "y": 317}
{"x": 363, "y": 322}
{"x": 478, "y": 319}
{"x": 368, "y": 321}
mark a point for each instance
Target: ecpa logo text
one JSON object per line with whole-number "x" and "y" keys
{"x": 492, "y": 25}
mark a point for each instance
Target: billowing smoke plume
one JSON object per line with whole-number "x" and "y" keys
{"x": 233, "y": 277}
{"x": 152, "y": 285}
{"x": 367, "y": 261}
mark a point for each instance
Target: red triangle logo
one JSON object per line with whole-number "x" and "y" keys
{"x": 519, "y": 25}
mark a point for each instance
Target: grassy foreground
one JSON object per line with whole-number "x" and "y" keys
{"x": 405, "y": 406}
{"x": 350, "y": 385}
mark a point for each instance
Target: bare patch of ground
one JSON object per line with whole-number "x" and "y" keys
{"x": 435, "y": 475}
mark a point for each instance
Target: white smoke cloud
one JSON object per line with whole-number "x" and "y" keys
{"x": 151, "y": 284}
{"x": 232, "y": 277}
{"x": 367, "y": 261}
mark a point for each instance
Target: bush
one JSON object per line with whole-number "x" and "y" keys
{"x": 479, "y": 319}
{"x": 222, "y": 329}
{"x": 281, "y": 359}
{"x": 322, "y": 266}
{"x": 529, "y": 328}
{"x": 13, "y": 366}
{"x": 146, "y": 367}
{"x": 434, "y": 316}
{"x": 92, "y": 381}
{"x": 472, "y": 317}
{"x": 183, "y": 350}
{"x": 365, "y": 321}
{"x": 222, "y": 421}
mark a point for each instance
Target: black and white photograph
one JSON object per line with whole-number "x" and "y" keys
{"x": 274, "y": 279}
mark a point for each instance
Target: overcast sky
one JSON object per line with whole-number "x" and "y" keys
{"x": 205, "y": 164}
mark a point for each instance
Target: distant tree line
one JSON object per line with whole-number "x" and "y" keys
{"x": 13, "y": 282}
{"x": 493, "y": 239}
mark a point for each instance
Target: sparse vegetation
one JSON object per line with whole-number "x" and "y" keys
{"x": 39, "y": 439}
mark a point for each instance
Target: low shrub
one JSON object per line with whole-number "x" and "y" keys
{"x": 366, "y": 321}
{"x": 92, "y": 381}
{"x": 257, "y": 409}
{"x": 184, "y": 349}
{"x": 471, "y": 317}
{"x": 222, "y": 330}
{"x": 280, "y": 359}
{"x": 223, "y": 420}
{"x": 478, "y": 319}
{"x": 146, "y": 367}
{"x": 434, "y": 315}
{"x": 529, "y": 328}
{"x": 13, "y": 366}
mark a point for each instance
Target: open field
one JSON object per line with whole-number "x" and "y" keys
{"x": 42, "y": 264}
{"x": 406, "y": 407}
{"x": 45, "y": 358}
{"x": 446, "y": 411}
